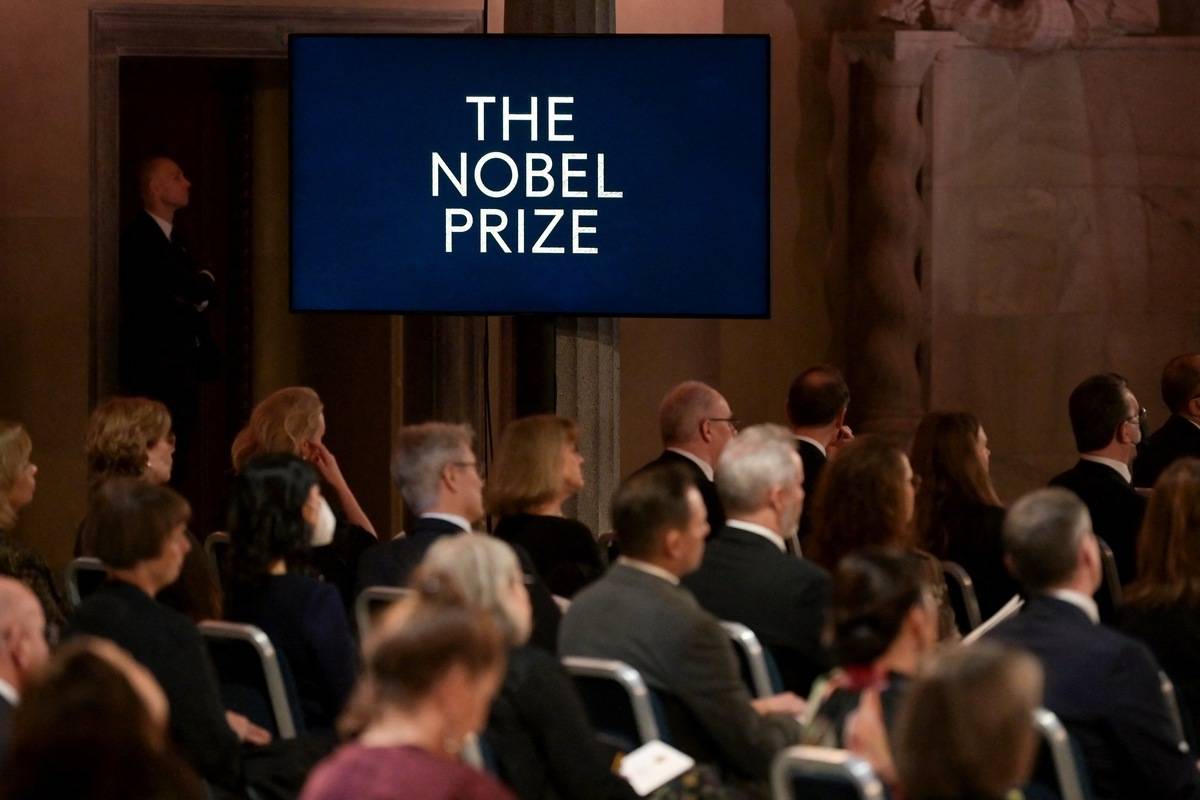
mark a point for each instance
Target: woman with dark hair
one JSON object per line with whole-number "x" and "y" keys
{"x": 537, "y": 469}
{"x": 958, "y": 516}
{"x": 276, "y": 516}
{"x": 1162, "y": 607}
{"x": 92, "y": 725}
{"x": 883, "y": 621}
{"x": 432, "y": 667}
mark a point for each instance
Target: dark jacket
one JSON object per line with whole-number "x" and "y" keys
{"x": 1173, "y": 634}
{"x": 563, "y": 550}
{"x": 975, "y": 541}
{"x": 814, "y": 461}
{"x": 1116, "y": 509}
{"x": 707, "y": 489}
{"x": 1177, "y": 438}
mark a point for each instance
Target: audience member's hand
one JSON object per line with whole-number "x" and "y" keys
{"x": 246, "y": 730}
{"x": 326, "y": 464}
{"x": 844, "y": 435}
{"x": 782, "y": 703}
{"x": 866, "y": 735}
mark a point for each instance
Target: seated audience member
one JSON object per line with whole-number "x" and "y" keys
{"x": 437, "y": 473}
{"x": 132, "y": 437}
{"x": 695, "y": 423}
{"x": 883, "y": 622}
{"x": 537, "y": 733}
{"x": 747, "y": 575}
{"x": 958, "y": 516}
{"x": 432, "y": 667}
{"x": 18, "y": 481}
{"x": 23, "y": 648}
{"x": 1179, "y": 436}
{"x": 276, "y": 517}
{"x": 1102, "y": 684}
{"x": 638, "y": 613}
{"x": 292, "y": 420}
{"x": 537, "y": 469}
{"x": 92, "y": 725}
{"x": 965, "y": 728}
{"x": 1162, "y": 607}
{"x": 139, "y": 535}
{"x": 866, "y": 499}
{"x": 816, "y": 410}
{"x": 1106, "y": 421}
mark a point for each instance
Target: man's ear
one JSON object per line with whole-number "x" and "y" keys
{"x": 841, "y": 417}
{"x": 671, "y": 543}
{"x": 1192, "y": 406}
{"x": 705, "y": 430}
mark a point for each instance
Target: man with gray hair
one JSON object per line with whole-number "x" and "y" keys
{"x": 23, "y": 647}
{"x": 747, "y": 575}
{"x": 1103, "y": 685}
{"x": 696, "y": 423}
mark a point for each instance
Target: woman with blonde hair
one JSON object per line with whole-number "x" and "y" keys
{"x": 292, "y": 420}
{"x": 537, "y": 469}
{"x": 18, "y": 482}
{"x": 537, "y": 731}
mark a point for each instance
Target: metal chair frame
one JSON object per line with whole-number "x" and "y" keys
{"x": 276, "y": 691}
{"x": 76, "y": 566}
{"x": 823, "y": 763}
{"x": 1112, "y": 578}
{"x": 746, "y": 641}
{"x": 630, "y": 680}
{"x": 210, "y": 549}
{"x": 1066, "y": 769}
{"x": 966, "y": 589}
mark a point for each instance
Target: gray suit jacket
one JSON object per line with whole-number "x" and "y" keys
{"x": 680, "y": 649}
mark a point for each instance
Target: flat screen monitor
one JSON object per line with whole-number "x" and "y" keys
{"x": 616, "y": 175}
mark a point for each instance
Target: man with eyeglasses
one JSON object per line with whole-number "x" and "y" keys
{"x": 1107, "y": 422}
{"x": 1179, "y": 437}
{"x": 696, "y": 423}
{"x": 23, "y": 647}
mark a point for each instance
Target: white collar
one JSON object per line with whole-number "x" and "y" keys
{"x": 704, "y": 466}
{"x": 1081, "y": 601}
{"x": 758, "y": 530}
{"x": 9, "y": 692}
{"x": 1122, "y": 469}
{"x": 453, "y": 519}
{"x": 1197, "y": 424}
{"x": 649, "y": 569}
{"x": 814, "y": 443}
{"x": 166, "y": 227}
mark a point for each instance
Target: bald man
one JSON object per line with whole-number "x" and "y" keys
{"x": 1179, "y": 436}
{"x": 23, "y": 647}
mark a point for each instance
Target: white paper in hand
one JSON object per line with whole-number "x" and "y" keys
{"x": 652, "y": 765}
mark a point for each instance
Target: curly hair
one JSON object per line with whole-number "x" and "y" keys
{"x": 266, "y": 521}
{"x": 15, "y": 448}
{"x": 945, "y": 458}
{"x": 860, "y": 502}
{"x": 120, "y": 431}
{"x": 529, "y": 464}
{"x": 283, "y": 421}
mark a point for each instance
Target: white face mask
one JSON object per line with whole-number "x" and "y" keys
{"x": 323, "y": 530}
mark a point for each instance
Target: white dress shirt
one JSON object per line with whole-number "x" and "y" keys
{"x": 704, "y": 466}
{"x": 649, "y": 569}
{"x": 758, "y": 530}
{"x": 1112, "y": 463}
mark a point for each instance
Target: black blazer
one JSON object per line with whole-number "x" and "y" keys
{"x": 539, "y": 734}
{"x": 1173, "y": 634}
{"x": 564, "y": 550}
{"x": 6, "y": 714}
{"x": 171, "y": 648}
{"x": 1104, "y": 687}
{"x": 1177, "y": 438}
{"x": 975, "y": 542}
{"x": 708, "y": 489}
{"x": 813, "y": 461}
{"x": 783, "y": 599}
{"x": 1115, "y": 507}
{"x": 392, "y": 563}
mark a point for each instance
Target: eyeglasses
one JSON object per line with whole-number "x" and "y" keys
{"x": 1139, "y": 418}
{"x": 733, "y": 422}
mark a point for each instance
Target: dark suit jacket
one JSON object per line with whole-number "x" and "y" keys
{"x": 813, "y": 461}
{"x": 540, "y": 736}
{"x": 6, "y": 713}
{"x": 392, "y": 563}
{"x": 975, "y": 542}
{"x": 1173, "y": 634}
{"x": 1104, "y": 687}
{"x": 1177, "y": 438}
{"x": 783, "y": 599}
{"x": 1115, "y": 507}
{"x": 708, "y": 489}
{"x": 680, "y": 649}
{"x": 563, "y": 550}
{"x": 171, "y": 648}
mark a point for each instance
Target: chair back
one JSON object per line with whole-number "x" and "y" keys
{"x": 84, "y": 576}
{"x": 962, "y": 597}
{"x": 1168, "y": 692}
{"x": 823, "y": 773}
{"x": 254, "y": 679}
{"x": 371, "y": 601}
{"x": 1109, "y": 595}
{"x": 752, "y": 659}
{"x": 1068, "y": 773}
{"x": 216, "y": 547}
{"x": 617, "y": 701}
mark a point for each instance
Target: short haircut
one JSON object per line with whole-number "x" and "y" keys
{"x": 284, "y": 420}
{"x": 130, "y": 519}
{"x": 421, "y": 453}
{"x": 119, "y": 433}
{"x": 756, "y": 461}
{"x": 1181, "y": 381}
{"x": 15, "y": 449}
{"x": 483, "y": 568}
{"x": 266, "y": 516}
{"x": 1042, "y": 534}
{"x": 647, "y": 505}
{"x": 146, "y": 170}
{"x": 1097, "y": 406}
{"x": 873, "y": 591}
{"x": 817, "y": 396}
{"x": 528, "y": 467}
{"x": 682, "y": 410}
